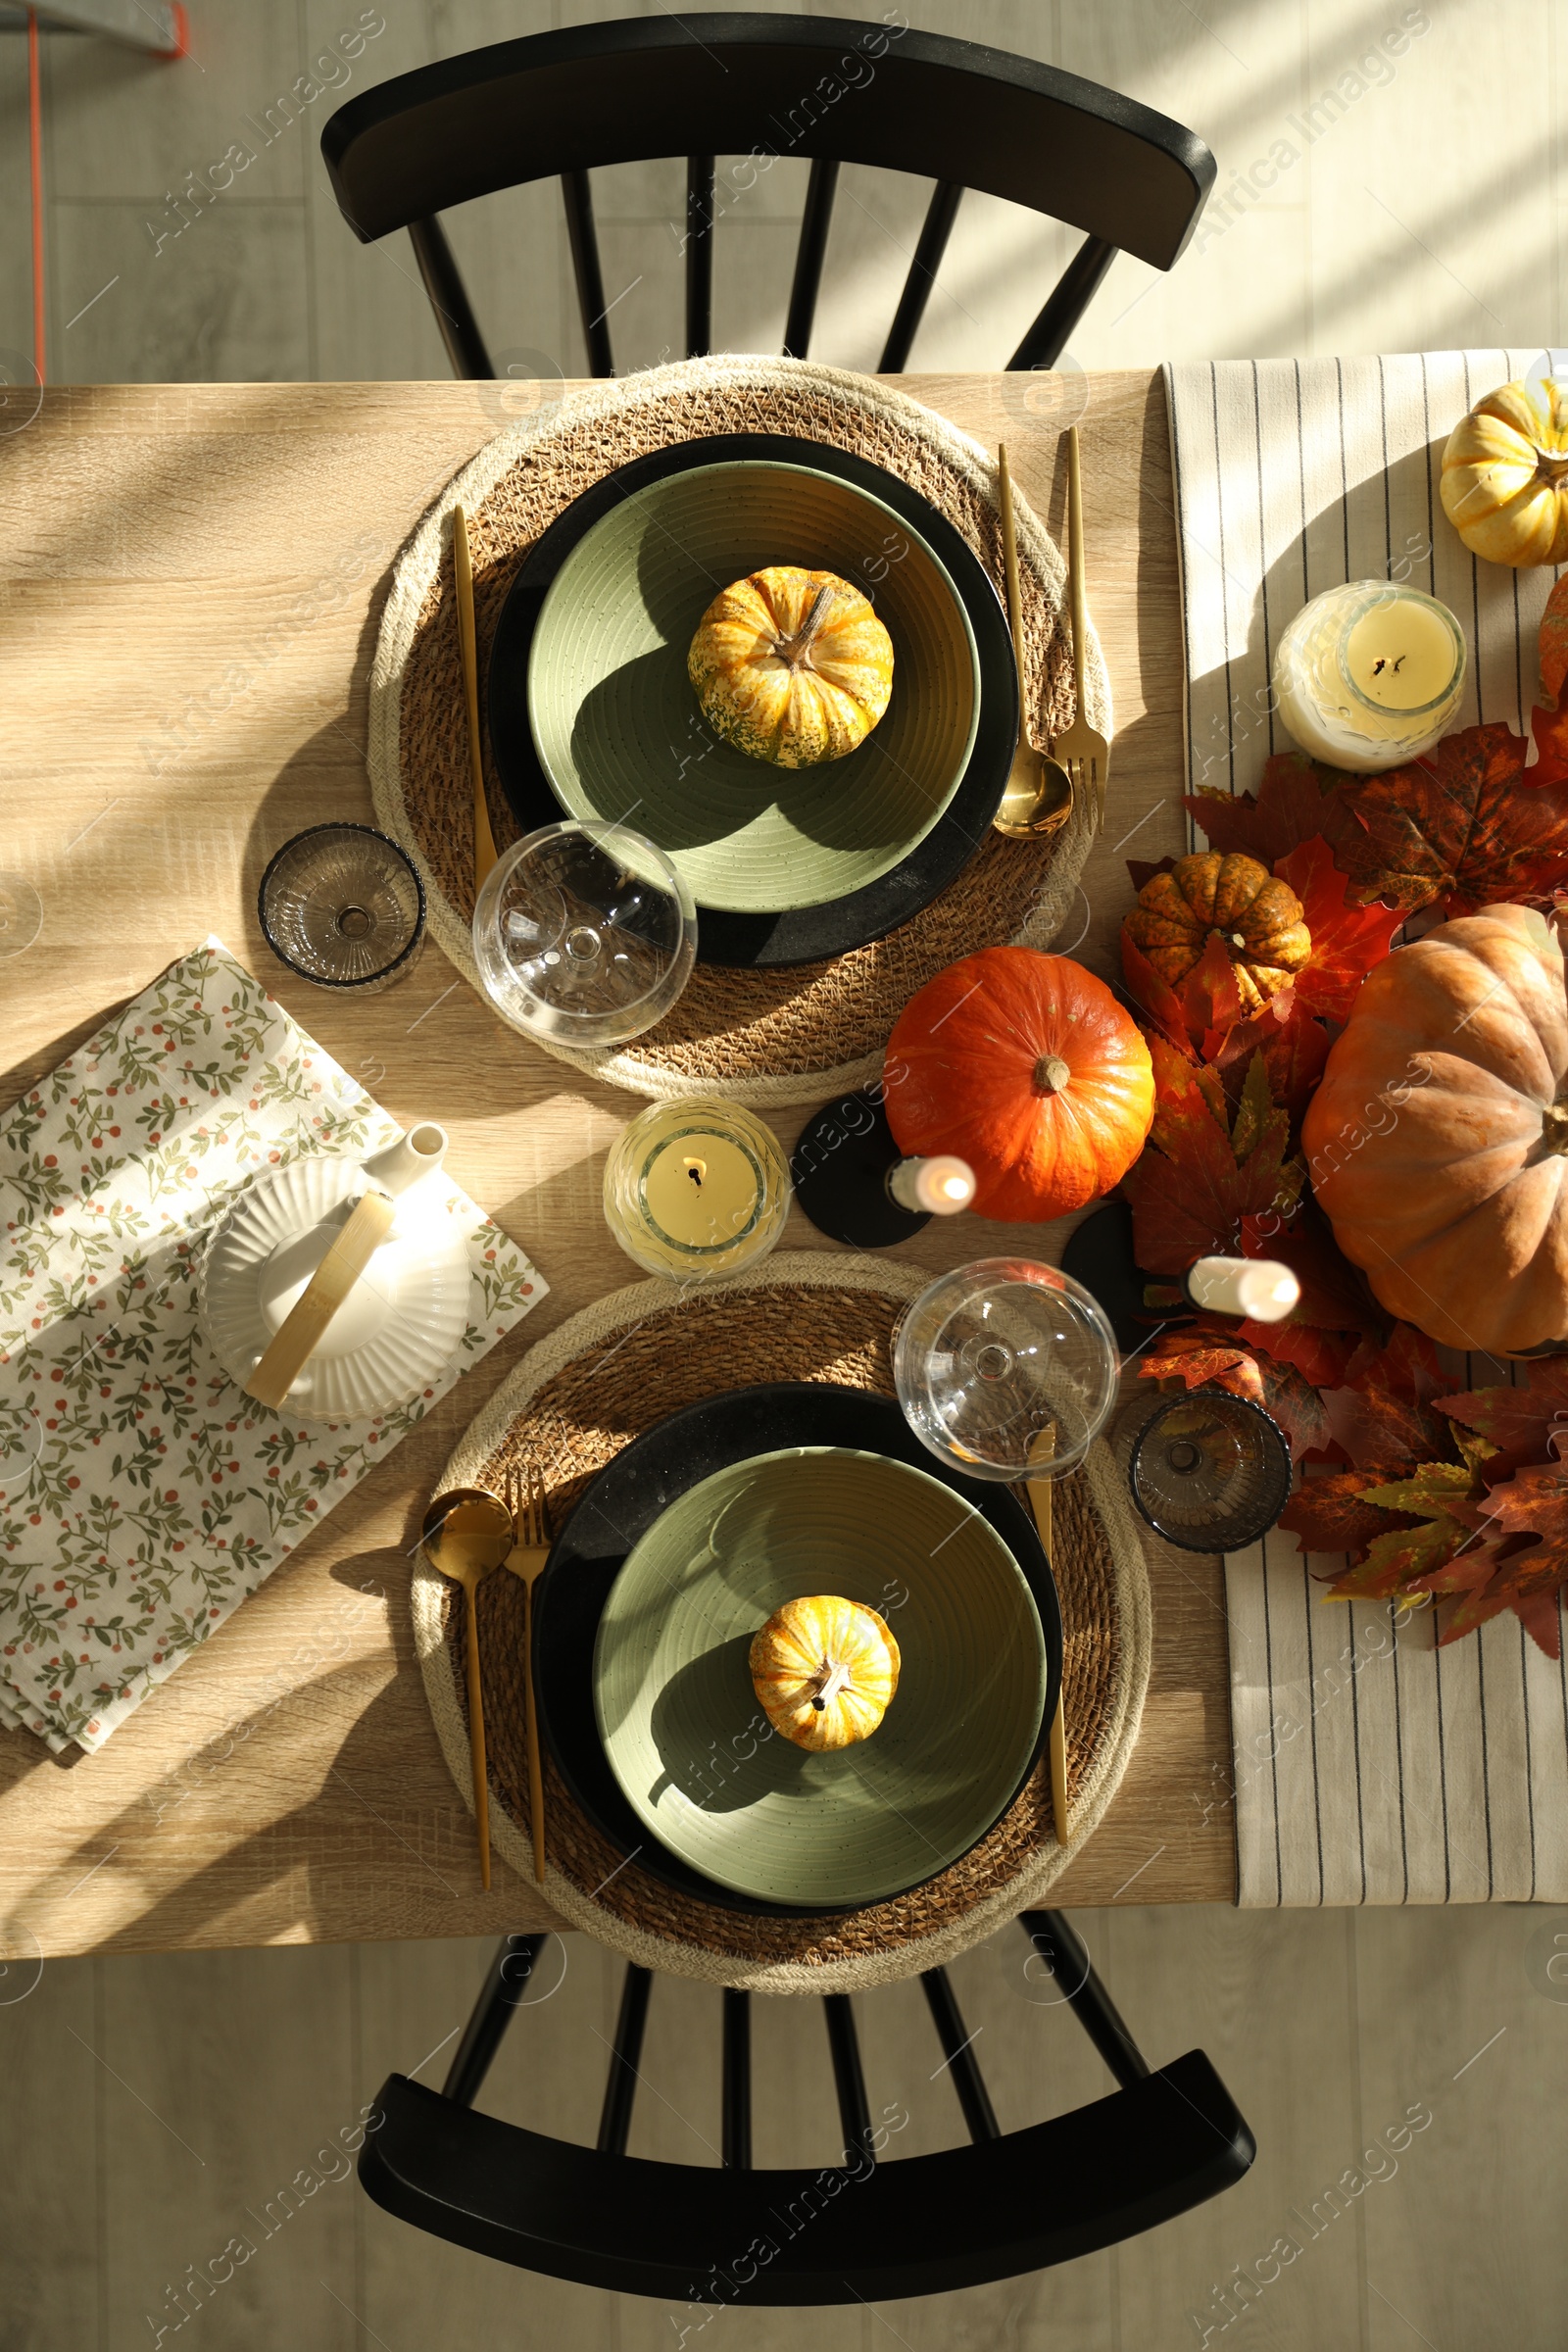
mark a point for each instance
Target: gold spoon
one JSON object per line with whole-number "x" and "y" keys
{"x": 1037, "y": 797}
{"x": 466, "y": 1535}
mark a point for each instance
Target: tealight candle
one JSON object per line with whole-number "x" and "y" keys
{"x": 697, "y": 1189}
{"x": 1369, "y": 675}
{"x": 1259, "y": 1287}
{"x": 939, "y": 1187}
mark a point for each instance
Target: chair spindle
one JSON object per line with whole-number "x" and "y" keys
{"x": 809, "y": 254}
{"x": 1065, "y": 303}
{"x": 584, "y": 242}
{"x": 1058, "y": 1943}
{"x": 941, "y": 212}
{"x": 508, "y": 1972}
{"x": 854, "y": 2115}
{"x": 615, "y": 2121}
{"x": 737, "y": 2092}
{"x": 456, "y": 322}
{"x": 958, "y": 2047}
{"x": 699, "y": 256}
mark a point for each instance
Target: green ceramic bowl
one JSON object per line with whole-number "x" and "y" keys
{"x": 680, "y": 1721}
{"x": 616, "y": 723}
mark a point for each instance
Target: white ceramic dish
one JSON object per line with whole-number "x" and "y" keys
{"x": 398, "y": 1329}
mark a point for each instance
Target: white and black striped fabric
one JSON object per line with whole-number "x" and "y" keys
{"x": 1370, "y": 1767}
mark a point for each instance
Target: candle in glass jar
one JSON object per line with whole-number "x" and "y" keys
{"x": 1259, "y": 1287}
{"x": 697, "y": 1189}
{"x": 1369, "y": 675}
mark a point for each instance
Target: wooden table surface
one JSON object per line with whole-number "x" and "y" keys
{"x": 191, "y": 583}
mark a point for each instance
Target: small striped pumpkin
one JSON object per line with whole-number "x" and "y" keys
{"x": 825, "y": 1670}
{"x": 792, "y": 666}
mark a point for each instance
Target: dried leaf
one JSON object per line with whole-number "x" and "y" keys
{"x": 1295, "y": 800}
{"x": 1320, "y": 1357}
{"x": 1334, "y": 1296}
{"x": 1347, "y": 940}
{"x": 1553, "y": 642}
{"x": 1520, "y": 1423}
{"x": 1189, "y": 1195}
{"x": 1394, "y": 1563}
{"x": 1329, "y": 1513}
{"x": 1427, "y": 1492}
{"x": 1384, "y": 1416}
{"x": 1296, "y": 1405}
{"x": 1468, "y": 824}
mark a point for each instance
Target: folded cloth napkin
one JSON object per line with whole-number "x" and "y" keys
{"x": 142, "y": 1496}
{"x": 1369, "y": 1766}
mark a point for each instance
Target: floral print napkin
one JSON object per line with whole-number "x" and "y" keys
{"x": 142, "y": 1496}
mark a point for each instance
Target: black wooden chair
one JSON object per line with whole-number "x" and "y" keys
{"x": 834, "y": 89}
{"x": 852, "y": 2230}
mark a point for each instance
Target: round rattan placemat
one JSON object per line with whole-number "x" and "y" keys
{"x": 764, "y": 1037}
{"x": 570, "y": 1404}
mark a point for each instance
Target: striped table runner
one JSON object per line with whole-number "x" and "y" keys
{"x": 1369, "y": 1766}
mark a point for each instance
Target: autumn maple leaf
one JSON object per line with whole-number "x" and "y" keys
{"x": 1205, "y": 1353}
{"x": 1190, "y": 1191}
{"x": 1295, "y": 800}
{"x": 1386, "y": 1418}
{"x": 1468, "y": 824}
{"x": 1347, "y": 940}
{"x": 1427, "y": 1537}
{"x": 1330, "y": 1514}
{"x": 1521, "y": 1423}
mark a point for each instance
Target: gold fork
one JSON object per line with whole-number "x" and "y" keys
{"x": 1082, "y": 750}
{"x": 530, "y": 1526}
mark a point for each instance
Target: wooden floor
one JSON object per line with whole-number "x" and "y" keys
{"x": 155, "y": 2108}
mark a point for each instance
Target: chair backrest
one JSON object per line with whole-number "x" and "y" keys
{"x": 832, "y": 89}
{"x": 849, "y": 2231}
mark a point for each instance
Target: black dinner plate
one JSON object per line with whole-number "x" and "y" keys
{"x": 802, "y": 934}
{"x": 622, "y": 1503}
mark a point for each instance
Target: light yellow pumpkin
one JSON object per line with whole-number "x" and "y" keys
{"x": 825, "y": 1670}
{"x": 1505, "y": 474}
{"x": 792, "y": 666}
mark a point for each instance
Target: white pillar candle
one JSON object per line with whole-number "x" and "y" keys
{"x": 938, "y": 1187}
{"x": 1369, "y": 675}
{"x": 1259, "y": 1287}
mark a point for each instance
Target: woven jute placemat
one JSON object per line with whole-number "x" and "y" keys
{"x": 764, "y": 1037}
{"x": 573, "y": 1401}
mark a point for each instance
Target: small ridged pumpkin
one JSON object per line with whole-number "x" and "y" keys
{"x": 1025, "y": 1065}
{"x": 1256, "y": 919}
{"x": 792, "y": 666}
{"x": 825, "y": 1670}
{"x": 1436, "y": 1139}
{"x": 1505, "y": 474}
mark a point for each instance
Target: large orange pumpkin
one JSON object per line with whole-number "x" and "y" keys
{"x": 1026, "y": 1067}
{"x": 1256, "y": 919}
{"x": 1435, "y": 1141}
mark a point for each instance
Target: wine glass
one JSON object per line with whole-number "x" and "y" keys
{"x": 584, "y": 934}
{"x": 1209, "y": 1471}
{"x": 1007, "y": 1368}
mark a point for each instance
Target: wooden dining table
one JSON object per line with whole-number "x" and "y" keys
{"x": 191, "y": 579}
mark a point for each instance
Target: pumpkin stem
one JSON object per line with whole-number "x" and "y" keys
{"x": 1555, "y": 1128}
{"x": 797, "y": 649}
{"x": 1052, "y": 1075}
{"x": 827, "y": 1682}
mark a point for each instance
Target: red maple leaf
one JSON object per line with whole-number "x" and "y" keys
{"x": 1295, "y": 800}
{"x": 1205, "y": 1353}
{"x": 1334, "y": 1296}
{"x": 1190, "y": 1194}
{"x": 1347, "y": 940}
{"x": 1327, "y": 1514}
{"x": 1522, "y": 1423}
{"x": 1467, "y": 824}
{"x": 1554, "y": 644}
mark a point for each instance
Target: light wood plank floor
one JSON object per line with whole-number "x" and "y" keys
{"x": 156, "y": 2108}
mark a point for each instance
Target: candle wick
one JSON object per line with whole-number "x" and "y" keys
{"x": 1379, "y": 666}
{"x": 1398, "y": 665}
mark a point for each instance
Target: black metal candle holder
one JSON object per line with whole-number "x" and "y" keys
{"x": 839, "y": 1169}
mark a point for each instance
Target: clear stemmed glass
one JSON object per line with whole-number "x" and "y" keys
{"x": 1007, "y": 1368}
{"x": 1209, "y": 1471}
{"x": 584, "y": 934}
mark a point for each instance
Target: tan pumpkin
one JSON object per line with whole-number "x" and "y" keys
{"x": 1235, "y": 900}
{"x": 1435, "y": 1141}
{"x": 1505, "y": 474}
{"x": 825, "y": 1670}
{"x": 792, "y": 666}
